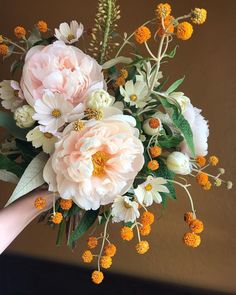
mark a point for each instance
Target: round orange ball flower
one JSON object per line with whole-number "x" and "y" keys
{"x": 120, "y": 81}
{"x": 124, "y": 73}
{"x": 199, "y": 16}
{"x": 213, "y": 160}
{"x": 188, "y": 217}
{"x": 163, "y": 10}
{"x": 201, "y": 161}
{"x": 87, "y": 256}
{"x": 142, "y": 247}
{"x": 142, "y": 34}
{"x": 126, "y": 233}
{"x": 42, "y": 26}
{"x": 207, "y": 186}
{"x": 4, "y": 49}
{"x": 192, "y": 240}
{"x": 57, "y": 218}
{"x": 92, "y": 242}
{"x": 154, "y": 123}
{"x": 1, "y": 39}
{"x": 168, "y": 24}
{"x": 147, "y": 218}
{"x": 106, "y": 262}
{"x": 153, "y": 165}
{"x": 40, "y": 203}
{"x": 65, "y": 204}
{"x": 19, "y": 32}
{"x": 184, "y": 31}
{"x": 196, "y": 226}
{"x": 202, "y": 178}
{"x": 145, "y": 230}
{"x": 97, "y": 277}
{"x": 110, "y": 250}
{"x": 155, "y": 151}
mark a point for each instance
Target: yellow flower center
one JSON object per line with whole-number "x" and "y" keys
{"x": 56, "y": 113}
{"x": 70, "y": 37}
{"x": 133, "y": 97}
{"x": 99, "y": 160}
{"x": 78, "y": 125}
{"x": 94, "y": 113}
{"x": 148, "y": 187}
{"x": 48, "y": 135}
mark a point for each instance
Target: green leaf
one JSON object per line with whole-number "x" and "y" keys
{"x": 175, "y": 85}
{"x": 60, "y": 233}
{"x": 73, "y": 210}
{"x": 11, "y": 166}
{"x": 86, "y": 222}
{"x": 172, "y": 53}
{"x": 8, "y": 176}
{"x": 115, "y": 61}
{"x": 34, "y": 37}
{"x": 180, "y": 122}
{"x": 17, "y": 64}
{"x": 31, "y": 179}
{"x": 7, "y": 121}
{"x": 169, "y": 141}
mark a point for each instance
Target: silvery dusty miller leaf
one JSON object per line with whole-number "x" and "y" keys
{"x": 8, "y": 176}
{"x": 31, "y": 179}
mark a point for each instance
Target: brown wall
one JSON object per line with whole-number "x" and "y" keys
{"x": 208, "y": 61}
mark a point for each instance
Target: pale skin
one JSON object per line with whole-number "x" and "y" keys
{"x": 15, "y": 217}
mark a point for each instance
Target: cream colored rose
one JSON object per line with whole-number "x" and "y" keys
{"x": 178, "y": 163}
{"x": 23, "y": 116}
{"x": 100, "y": 99}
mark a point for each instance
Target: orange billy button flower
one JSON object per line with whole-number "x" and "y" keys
{"x": 4, "y": 49}
{"x": 142, "y": 34}
{"x": 42, "y": 26}
{"x": 163, "y": 10}
{"x": 120, "y": 81}
{"x": 147, "y": 218}
{"x": 192, "y": 240}
{"x": 57, "y": 218}
{"x": 155, "y": 151}
{"x": 153, "y": 165}
{"x": 97, "y": 277}
{"x": 168, "y": 24}
{"x": 87, "y": 256}
{"x": 126, "y": 233}
{"x": 40, "y": 203}
{"x": 196, "y": 226}
{"x": 184, "y": 31}
{"x": 1, "y": 39}
{"x": 92, "y": 242}
{"x": 199, "y": 16}
{"x": 19, "y": 32}
{"x": 188, "y": 217}
{"x": 110, "y": 250}
{"x": 201, "y": 161}
{"x": 145, "y": 230}
{"x": 124, "y": 73}
{"x": 202, "y": 178}
{"x": 142, "y": 247}
{"x": 65, "y": 204}
{"x": 207, "y": 186}
{"x": 106, "y": 262}
{"x": 213, "y": 160}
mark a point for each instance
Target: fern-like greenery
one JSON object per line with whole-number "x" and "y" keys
{"x": 106, "y": 18}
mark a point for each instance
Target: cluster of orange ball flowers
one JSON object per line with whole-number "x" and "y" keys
{"x": 169, "y": 25}
{"x": 196, "y": 226}
{"x": 121, "y": 79}
{"x": 65, "y": 205}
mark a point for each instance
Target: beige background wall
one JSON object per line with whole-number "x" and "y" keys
{"x": 208, "y": 61}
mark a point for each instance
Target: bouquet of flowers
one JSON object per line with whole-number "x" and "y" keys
{"x": 107, "y": 134}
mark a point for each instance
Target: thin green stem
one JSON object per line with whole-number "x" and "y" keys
{"x": 13, "y": 43}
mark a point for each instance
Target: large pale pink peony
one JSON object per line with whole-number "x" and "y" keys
{"x": 94, "y": 165}
{"x": 60, "y": 68}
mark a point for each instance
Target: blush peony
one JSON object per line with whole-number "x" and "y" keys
{"x": 95, "y": 164}
{"x": 60, "y": 68}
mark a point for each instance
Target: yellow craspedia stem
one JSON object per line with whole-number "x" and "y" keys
{"x": 40, "y": 203}
{"x": 142, "y": 34}
{"x": 184, "y": 31}
{"x": 198, "y": 16}
{"x": 192, "y": 240}
{"x": 65, "y": 204}
{"x": 106, "y": 262}
{"x": 213, "y": 160}
{"x": 57, "y": 218}
{"x": 87, "y": 256}
{"x": 163, "y": 10}
{"x": 196, "y": 226}
{"x": 142, "y": 247}
{"x": 97, "y": 277}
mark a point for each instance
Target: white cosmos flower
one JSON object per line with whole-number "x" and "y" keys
{"x": 135, "y": 93}
{"x": 52, "y": 111}
{"x": 42, "y": 139}
{"x": 69, "y": 33}
{"x": 11, "y": 95}
{"x": 149, "y": 191}
{"x": 123, "y": 209}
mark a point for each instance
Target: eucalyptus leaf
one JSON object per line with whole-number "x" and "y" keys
{"x": 172, "y": 53}
{"x": 115, "y": 61}
{"x": 31, "y": 179}
{"x": 34, "y": 37}
{"x": 86, "y": 222}
{"x": 8, "y": 176}
{"x": 175, "y": 85}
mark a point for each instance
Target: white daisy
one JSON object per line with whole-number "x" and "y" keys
{"x": 52, "y": 111}
{"x": 69, "y": 33}
{"x": 123, "y": 209}
{"x": 149, "y": 191}
{"x": 135, "y": 93}
{"x": 45, "y": 140}
{"x": 11, "y": 95}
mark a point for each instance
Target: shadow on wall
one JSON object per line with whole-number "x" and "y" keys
{"x": 29, "y": 276}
